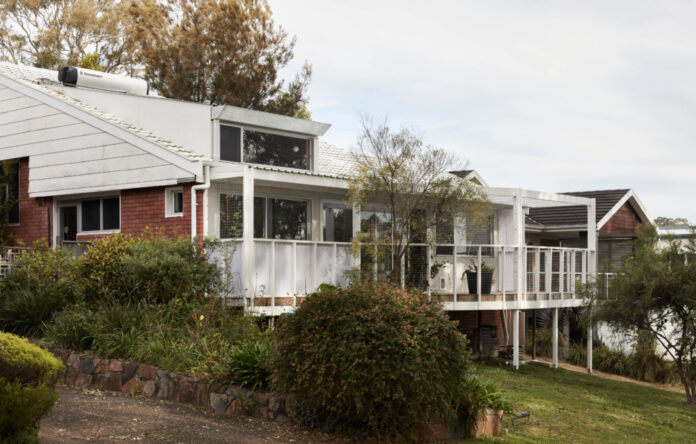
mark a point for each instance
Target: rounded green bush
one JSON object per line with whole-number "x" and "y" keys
{"x": 27, "y": 376}
{"x": 370, "y": 359}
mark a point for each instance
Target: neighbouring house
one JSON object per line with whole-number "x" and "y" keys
{"x": 682, "y": 234}
{"x": 93, "y": 161}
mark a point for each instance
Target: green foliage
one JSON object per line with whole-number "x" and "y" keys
{"x": 544, "y": 341}
{"x": 21, "y": 407}
{"x": 370, "y": 358}
{"x": 19, "y": 359}
{"x": 70, "y": 329}
{"x": 475, "y": 395}
{"x": 117, "y": 328}
{"x": 38, "y": 286}
{"x": 247, "y": 364}
{"x": 150, "y": 268}
{"x": 27, "y": 376}
{"x": 90, "y": 61}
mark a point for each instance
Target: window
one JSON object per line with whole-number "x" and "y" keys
{"x": 174, "y": 202}
{"x": 230, "y": 143}
{"x": 465, "y": 232}
{"x": 273, "y": 218}
{"x": 273, "y": 149}
{"x": 338, "y": 223}
{"x": 12, "y": 191}
{"x": 101, "y": 214}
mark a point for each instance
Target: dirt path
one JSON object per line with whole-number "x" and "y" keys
{"x": 106, "y": 417}
{"x": 578, "y": 369}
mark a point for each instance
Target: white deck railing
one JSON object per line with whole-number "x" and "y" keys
{"x": 285, "y": 270}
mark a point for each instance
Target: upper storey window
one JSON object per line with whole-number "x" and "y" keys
{"x": 237, "y": 145}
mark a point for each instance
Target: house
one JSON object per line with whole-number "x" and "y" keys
{"x": 96, "y": 161}
{"x": 619, "y": 213}
{"x": 682, "y": 234}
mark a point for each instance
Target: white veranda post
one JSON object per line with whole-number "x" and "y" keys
{"x": 518, "y": 217}
{"x": 554, "y": 335}
{"x": 356, "y": 231}
{"x": 248, "y": 260}
{"x": 591, "y": 267}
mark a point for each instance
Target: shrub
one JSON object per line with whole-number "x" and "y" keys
{"x": 474, "y": 396}
{"x": 247, "y": 364}
{"x": 70, "y": 329}
{"x": 150, "y": 268}
{"x": 369, "y": 358}
{"x": 544, "y": 341}
{"x": 38, "y": 286}
{"x": 27, "y": 377}
{"x": 118, "y": 328}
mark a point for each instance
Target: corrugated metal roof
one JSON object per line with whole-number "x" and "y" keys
{"x": 577, "y": 215}
{"x": 36, "y": 78}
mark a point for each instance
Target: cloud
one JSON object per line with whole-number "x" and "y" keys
{"x": 554, "y": 96}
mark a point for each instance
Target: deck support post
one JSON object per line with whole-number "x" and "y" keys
{"x": 516, "y": 339}
{"x": 534, "y": 336}
{"x": 248, "y": 260}
{"x": 554, "y": 336}
{"x": 356, "y": 230}
{"x": 591, "y": 267}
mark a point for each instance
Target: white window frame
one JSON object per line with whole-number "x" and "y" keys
{"x": 101, "y": 198}
{"x": 169, "y": 194}
{"x": 322, "y": 215}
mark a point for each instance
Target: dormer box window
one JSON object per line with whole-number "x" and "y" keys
{"x": 251, "y": 146}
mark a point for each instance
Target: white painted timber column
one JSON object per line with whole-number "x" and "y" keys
{"x": 356, "y": 231}
{"x": 591, "y": 267}
{"x": 248, "y": 259}
{"x": 516, "y": 339}
{"x": 518, "y": 217}
{"x": 554, "y": 336}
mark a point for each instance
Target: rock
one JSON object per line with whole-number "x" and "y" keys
{"x": 283, "y": 419}
{"x": 101, "y": 366}
{"x": 183, "y": 392}
{"x": 261, "y": 412}
{"x": 132, "y": 387}
{"x": 166, "y": 386}
{"x": 260, "y": 398}
{"x": 73, "y": 361}
{"x": 101, "y": 382}
{"x": 83, "y": 380}
{"x": 115, "y": 365}
{"x": 200, "y": 395}
{"x": 219, "y": 402}
{"x": 149, "y": 388}
{"x": 129, "y": 369}
{"x": 114, "y": 383}
{"x": 276, "y": 405}
{"x": 146, "y": 372}
{"x": 70, "y": 376}
{"x": 87, "y": 364}
{"x": 236, "y": 407}
{"x": 217, "y": 387}
{"x": 232, "y": 391}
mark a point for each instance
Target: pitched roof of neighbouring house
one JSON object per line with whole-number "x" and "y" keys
{"x": 607, "y": 202}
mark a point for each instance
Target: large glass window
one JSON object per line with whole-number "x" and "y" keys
{"x": 273, "y": 149}
{"x": 462, "y": 232}
{"x": 273, "y": 218}
{"x": 101, "y": 214}
{"x": 338, "y": 223}
{"x": 230, "y": 143}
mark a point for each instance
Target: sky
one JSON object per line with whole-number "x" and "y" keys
{"x": 543, "y": 95}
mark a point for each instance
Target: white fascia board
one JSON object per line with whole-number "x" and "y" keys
{"x": 635, "y": 203}
{"x": 231, "y": 171}
{"x": 282, "y": 177}
{"x": 261, "y": 119}
{"x": 539, "y": 195}
{"x": 101, "y": 189}
{"x": 194, "y": 167}
{"x": 475, "y": 175}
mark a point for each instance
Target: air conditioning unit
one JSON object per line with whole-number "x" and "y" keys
{"x": 87, "y": 78}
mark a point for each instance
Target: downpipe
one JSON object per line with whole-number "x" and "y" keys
{"x": 194, "y": 203}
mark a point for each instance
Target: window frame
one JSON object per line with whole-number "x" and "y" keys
{"x": 101, "y": 198}
{"x": 322, "y": 219}
{"x": 169, "y": 202}
{"x": 19, "y": 197}
{"x": 265, "y": 197}
{"x": 310, "y": 140}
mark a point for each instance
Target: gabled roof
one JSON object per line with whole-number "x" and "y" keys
{"x": 471, "y": 175}
{"x": 607, "y": 203}
{"x": 37, "y": 78}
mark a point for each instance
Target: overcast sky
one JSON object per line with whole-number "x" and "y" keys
{"x": 544, "y": 95}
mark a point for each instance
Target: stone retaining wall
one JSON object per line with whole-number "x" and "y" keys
{"x": 141, "y": 379}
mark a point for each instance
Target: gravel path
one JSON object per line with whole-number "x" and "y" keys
{"x": 106, "y": 417}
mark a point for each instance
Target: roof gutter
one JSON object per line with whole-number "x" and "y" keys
{"x": 194, "y": 204}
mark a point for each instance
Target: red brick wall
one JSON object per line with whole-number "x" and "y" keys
{"x": 624, "y": 222}
{"x": 143, "y": 208}
{"x": 468, "y": 323}
{"x": 33, "y": 213}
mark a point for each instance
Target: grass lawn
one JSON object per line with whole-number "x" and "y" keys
{"x": 578, "y": 408}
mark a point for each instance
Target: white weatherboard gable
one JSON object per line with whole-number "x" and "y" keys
{"x": 73, "y": 151}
